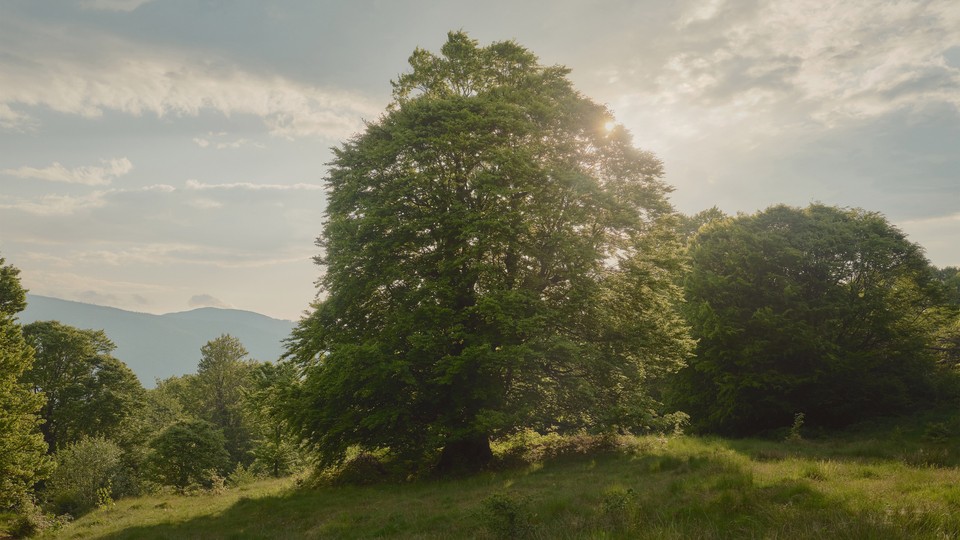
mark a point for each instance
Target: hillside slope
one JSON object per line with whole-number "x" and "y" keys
{"x": 158, "y": 346}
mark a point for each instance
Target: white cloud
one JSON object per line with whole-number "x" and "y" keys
{"x": 88, "y": 175}
{"x": 65, "y": 205}
{"x": 58, "y": 205}
{"x": 699, "y": 12}
{"x": 195, "y": 185}
{"x": 205, "y": 204}
{"x": 109, "y": 299}
{"x": 206, "y": 300}
{"x": 752, "y": 70}
{"x": 15, "y": 121}
{"x": 88, "y": 74}
{"x": 112, "y": 5}
{"x": 210, "y": 141}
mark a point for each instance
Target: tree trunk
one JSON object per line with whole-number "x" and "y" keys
{"x": 467, "y": 455}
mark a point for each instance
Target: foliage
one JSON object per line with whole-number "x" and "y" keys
{"x": 84, "y": 470}
{"x": 950, "y": 277}
{"x": 506, "y": 516}
{"x": 823, "y": 310}
{"x": 794, "y": 435}
{"x": 185, "y": 452}
{"x": 31, "y": 519}
{"x": 494, "y": 258}
{"x": 276, "y": 450}
{"x": 223, "y": 373}
{"x": 364, "y": 468}
{"x": 22, "y": 449}
{"x": 88, "y": 391}
{"x": 850, "y": 485}
{"x": 214, "y": 394}
{"x": 241, "y": 476}
{"x": 688, "y": 226}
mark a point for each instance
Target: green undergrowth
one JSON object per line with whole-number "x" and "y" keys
{"x": 878, "y": 482}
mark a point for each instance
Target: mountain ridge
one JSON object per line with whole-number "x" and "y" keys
{"x": 160, "y": 346}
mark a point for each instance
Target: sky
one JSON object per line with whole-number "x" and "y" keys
{"x": 163, "y": 155}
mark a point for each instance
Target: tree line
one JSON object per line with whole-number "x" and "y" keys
{"x": 77, "y": 428}
{"x": 497, "y": 256}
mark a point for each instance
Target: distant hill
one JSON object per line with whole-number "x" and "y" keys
{"x": 158, "y": 346}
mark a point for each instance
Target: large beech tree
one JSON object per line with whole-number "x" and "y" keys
{"x": 495, "y": 256}
{"x": 826, "y": 311}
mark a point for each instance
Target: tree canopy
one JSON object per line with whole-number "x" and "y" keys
{"x": 188, "y": 452}
{"x": 494, "y": 257}
{"x": 88, "y": 391}
{"x": 22, "y": 449}
{"x": 825, "y": 311}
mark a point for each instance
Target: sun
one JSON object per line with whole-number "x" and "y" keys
{"x": 609, "y": 125}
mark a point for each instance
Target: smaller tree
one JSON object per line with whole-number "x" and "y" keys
{"x": 89, "y": 392}
{"x": 276, "y": 449}
{"x": 88, "y": 471}
{"x": 22, "y": 461}
{"x": 222, "y": 375}
{"x": 186, "y": 452}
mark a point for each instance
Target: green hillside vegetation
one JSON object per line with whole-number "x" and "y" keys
{"x": 161, "y": 346}
{"x": 890, "y": 481}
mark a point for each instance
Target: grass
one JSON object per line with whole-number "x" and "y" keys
{"x": 876, "y": 484}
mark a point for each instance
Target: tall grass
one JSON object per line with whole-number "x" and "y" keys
{"x": 864, "y": 485}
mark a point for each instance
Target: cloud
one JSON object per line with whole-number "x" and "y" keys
{"x": 205, "y": 300}
{"x": 210, "y": 141}
{"x": 195, "y": 185}
{"x": 110, "y": 170}
{"x": 205, "y": 204}
{"x": 87, "y": 73}
{"x": 109, "y": 299}
{"x": 700, "y": 12}
{"x": 67, "y": 205}
{"x": 744, "y": 72}
{"x": 58, "y": 205}
{"x": 15, "y": 121}
{"x": 112, "y": 5}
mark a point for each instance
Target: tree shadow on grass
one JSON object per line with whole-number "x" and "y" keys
{"x": 713, "y": 494}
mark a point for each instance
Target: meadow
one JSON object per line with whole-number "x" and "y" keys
{"x": 896, "y": 480}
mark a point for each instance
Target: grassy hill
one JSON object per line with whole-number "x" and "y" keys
{"x": 882, "y": 483}
{"x": 158, "y": 346}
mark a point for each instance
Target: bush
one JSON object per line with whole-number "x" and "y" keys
{"x": 186, "y": 452}
{"x": 528, "y": 446}
{"x": 31, "y": 519}
{"x": 241, "y": 476}
{"x": 86, "y": 473}
{"x": 363, "y": 469}
{"x": 506, "y": 517}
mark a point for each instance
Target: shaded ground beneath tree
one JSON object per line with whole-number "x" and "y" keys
{"x": 685, "y": 488}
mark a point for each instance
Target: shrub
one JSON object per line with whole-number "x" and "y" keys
{"x": 241, "y": 475}
{"x": 363, "y": 469}
{"x": 185, "y": 452}
{"x": 31, "y": 520}
{"x": 936, "y": 432}
{"x": 506, "y": 517}
{"x": 794, "y": 435}
{"x": 86, "y": 472}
